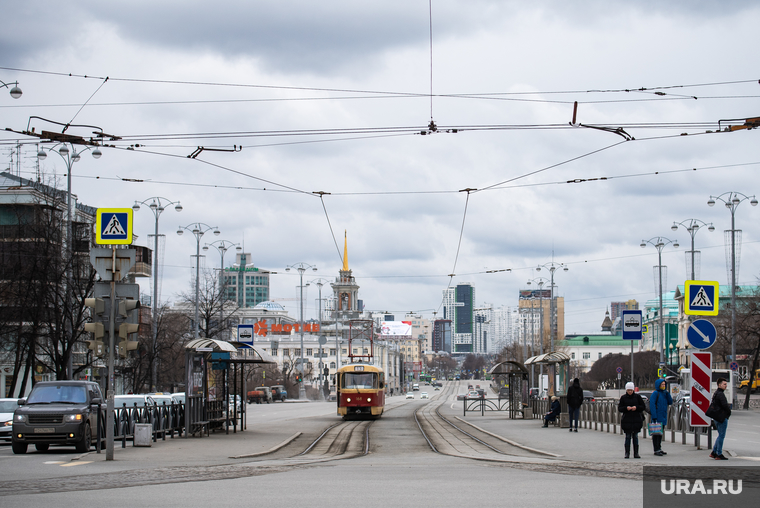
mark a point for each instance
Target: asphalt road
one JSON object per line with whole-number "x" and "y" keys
{"x": 400, "y": 468}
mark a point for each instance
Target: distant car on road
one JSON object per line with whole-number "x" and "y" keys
{"x": 462, "y": 396}
{"x": 7, "y": 407}
{"x": 424, "y": 395}
{"x": 472, "y": 394}
{"x": 409, "y": 395}
{"x": 588, "y": 396}
{"x": 504, "y": 392}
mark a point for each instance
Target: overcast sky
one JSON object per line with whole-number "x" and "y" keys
{"x": 346, "y": 87}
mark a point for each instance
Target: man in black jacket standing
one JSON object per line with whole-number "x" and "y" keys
{"x": 721, "y": 419}
{"x": 574, "y": 401}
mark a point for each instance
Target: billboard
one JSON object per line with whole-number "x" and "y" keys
{"x": 396, "y": 328}
{"x": 527, "y": 294}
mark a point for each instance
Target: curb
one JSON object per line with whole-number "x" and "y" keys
{"x": 271, "y": 450}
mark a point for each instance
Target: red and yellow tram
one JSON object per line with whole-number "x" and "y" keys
{"x": 360, "y": 391}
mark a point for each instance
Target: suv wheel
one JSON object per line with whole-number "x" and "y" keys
{"x": 19, "y": 448}
{"x": 84, "y": 444}
{"x": 42, "y": 447}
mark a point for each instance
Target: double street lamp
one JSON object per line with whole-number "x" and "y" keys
{"x": 553, "y": 267}
{"x": 540, "y": 281}
{"x": 301, "y": 267}
{"x": 221, "y": 247}
{"x": 198, "y": 229}
{"x": 70, "y": 155}
{"x": 732, "y": 200}
{"x": 692, "y": 226}
{"x": 660, "y": 243}
{"x": 321, "y": 282}
{"x": 157, "y": 205}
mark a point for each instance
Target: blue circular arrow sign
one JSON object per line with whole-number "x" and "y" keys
{"x": 701, "y": 334}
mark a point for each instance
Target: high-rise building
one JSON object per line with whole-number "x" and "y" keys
{"x": 459, "y": 307}
{"x": 442, "y": 335}
{"x": 246, "y": 284}
{"x": 617, "y": 308}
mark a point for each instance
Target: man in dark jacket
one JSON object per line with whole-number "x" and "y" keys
{"x": 658, "y": 406}
{"x": 721, "y": 419}
{"x": 574, "y": 401}
{"x": 632, "y": 406}
{"x": 553, "y": 412}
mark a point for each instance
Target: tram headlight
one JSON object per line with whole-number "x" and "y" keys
{"x": 348, "y": 399}
{"x": 369, "y": 399}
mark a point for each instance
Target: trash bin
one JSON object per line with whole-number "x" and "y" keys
{"x": 143, "y": 434}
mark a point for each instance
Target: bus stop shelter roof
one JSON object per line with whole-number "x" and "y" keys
{"x": 233, "y": 347}
{"x": 548, "y": 358}
{"x": 507, "y": 367}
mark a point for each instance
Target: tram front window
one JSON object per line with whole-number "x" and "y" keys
{"x": 358, "y": 381}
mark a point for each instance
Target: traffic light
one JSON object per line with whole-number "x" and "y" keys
{"x": 99, "y": 315}
{"x": 129, "y": 317}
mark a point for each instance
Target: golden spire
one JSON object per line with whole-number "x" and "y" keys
{"x": 345, "y": 251}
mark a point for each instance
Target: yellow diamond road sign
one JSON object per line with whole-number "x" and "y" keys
{"x": 113, "y": 226}
{"x": 701, "y": 297}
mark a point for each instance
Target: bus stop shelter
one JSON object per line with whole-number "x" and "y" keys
{"x": 559, "y": 369}
{"x": 204, "y": 411}
{"x": 514, "y": 376}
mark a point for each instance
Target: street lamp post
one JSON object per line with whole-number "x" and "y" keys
{"x": 540, "y": 281}
{"x": 553, "y": 267}
{"x": 732, "y": 202}
{"x": 198, "y": 229}
{"x": 69, "y": 156}
{"x": 301, "y": 267}
{"x": 157, "y": 205}
{"x": 692, "y": 226}
{"x": 659, "y": 243}
{"x": 15, "y": 91}
{"x": 320, "y": 282}
{"x": 222, "y": 247}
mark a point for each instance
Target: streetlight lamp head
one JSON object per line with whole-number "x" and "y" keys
{"x": 64, "y": 150}
{"x": 238, "y": 248}
{"x": 16, "y": 92}
{"x": 315, "y": 268}
{"x": 42, "y": 154}
{"x": 565, "y": 269}
{"x": 153, "y": 205}
{"x": 75, "y": 156}
{"x": 217, "y": 232}
{"x": 205, "y": 247}
{"x": 178, "y": 207}
{"x": 136, "y": 206}
{"x": 96, "y": 154}
{"x": 160, "y": 209}
{"x": 538, "y": 268}
{"x": 675, "y": 245}
{"x": 728, "y": 205}
{"x": 287, "y": 269}
{"x": 753, "y": 202}
{"x": 711, "y": 228}
{"x": 643, "y": 245}
{"x": 179, "y": 231}
{"x": 736, "y": 200}
{"x": 197, "y": 230}
{"x": 711, "y": 202}
{"x": 674, "y": 227}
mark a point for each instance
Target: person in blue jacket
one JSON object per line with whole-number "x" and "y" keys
{"x": 658, "y": 407}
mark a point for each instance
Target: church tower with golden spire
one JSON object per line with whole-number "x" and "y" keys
{"x": 345, "y": 289}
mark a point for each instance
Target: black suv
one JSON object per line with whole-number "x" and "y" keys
{"x": 58, "y": 412}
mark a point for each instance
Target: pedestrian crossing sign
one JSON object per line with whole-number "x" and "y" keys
{"x": 701, "y": 298}
{"x": 113, "y": 226}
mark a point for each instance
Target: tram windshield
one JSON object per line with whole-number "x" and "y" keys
{"x": 356, "y": 380}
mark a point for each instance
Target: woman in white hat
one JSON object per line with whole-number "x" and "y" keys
{"x": 632, "y": 406}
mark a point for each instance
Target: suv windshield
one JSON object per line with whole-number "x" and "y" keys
{"x": 58, "y": 393}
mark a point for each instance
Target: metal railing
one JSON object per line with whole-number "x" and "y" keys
{"x": 164, "y": 419}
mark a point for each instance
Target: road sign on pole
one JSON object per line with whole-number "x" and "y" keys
{"x": 113, "y": 226}
{"x": 619, "y": 370}
{"x": 701, "y": 334}
{"x": 245, "y": 334}
{"x": 701, "y": 297}
{"x": 632, "y": 326}
{"x": 701, "y": 377}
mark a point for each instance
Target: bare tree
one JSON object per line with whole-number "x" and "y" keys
{"x": 216, "y": 312}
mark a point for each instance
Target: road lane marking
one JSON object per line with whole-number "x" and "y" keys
{"x": 76, "y": 463}
{"x": 53, "y": 462}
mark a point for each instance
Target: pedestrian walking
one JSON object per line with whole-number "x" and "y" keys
{"x": 574, "y": 401}
{"x": 553, "y": 412}
{"x": 658, "y": 407}
{"x": 720, "y": 412}
{"x": 632, "y": 406}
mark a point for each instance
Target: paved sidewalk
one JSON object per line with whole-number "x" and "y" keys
{"x": 603, "y": 446}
